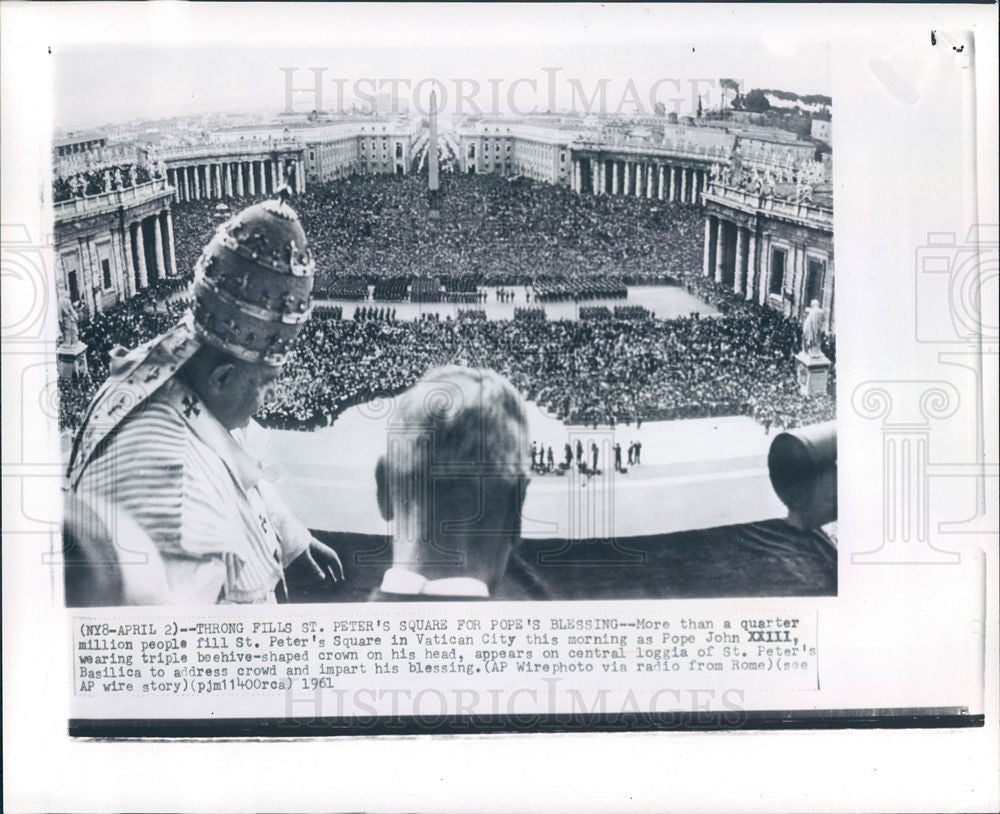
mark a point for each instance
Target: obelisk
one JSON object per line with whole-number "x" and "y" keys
{"x": 432, "y": 159}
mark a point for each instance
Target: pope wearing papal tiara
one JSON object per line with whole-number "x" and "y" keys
{"x": 161, "y": 461}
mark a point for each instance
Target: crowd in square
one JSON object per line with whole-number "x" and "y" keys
{"x": 610, "y": 366}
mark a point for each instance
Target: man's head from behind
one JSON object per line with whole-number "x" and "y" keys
{"x": 454, "y": 475}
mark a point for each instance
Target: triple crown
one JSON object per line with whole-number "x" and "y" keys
{"x": 253, "y": 283}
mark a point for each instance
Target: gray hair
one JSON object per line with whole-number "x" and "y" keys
{"x": 457, "y": 421}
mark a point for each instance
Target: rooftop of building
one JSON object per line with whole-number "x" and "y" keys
{"x": 78, "y": 138}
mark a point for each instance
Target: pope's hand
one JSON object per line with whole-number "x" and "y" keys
{"x": 319, "y": 562}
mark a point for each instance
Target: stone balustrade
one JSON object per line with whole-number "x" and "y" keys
{"x": 111, "y": 199}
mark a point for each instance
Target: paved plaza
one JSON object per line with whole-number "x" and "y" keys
{"x": 663, "y": 300}
{"x": 694, "y": 474}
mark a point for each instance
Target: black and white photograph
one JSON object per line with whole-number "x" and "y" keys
{"x": 384, "y": 339}
{"x": 502, "y": 407}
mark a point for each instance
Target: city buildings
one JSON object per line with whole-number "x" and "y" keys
{"x": 765, "y": 190}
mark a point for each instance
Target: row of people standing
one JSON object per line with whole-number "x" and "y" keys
{"x": 505, "y": 295}
{"x": 381, "y": 314}
{"x": 543, "y": 458}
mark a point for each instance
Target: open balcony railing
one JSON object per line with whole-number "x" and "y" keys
{"x": 111, "y": 199}
{"x": 212, "y": 150}
{"x": 781, "y": 207}
{"x": 659, "y": 149}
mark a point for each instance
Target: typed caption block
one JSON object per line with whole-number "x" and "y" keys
{"x": 226, "y": 660}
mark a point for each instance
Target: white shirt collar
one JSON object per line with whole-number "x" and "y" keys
{"x": 404, "y": 581}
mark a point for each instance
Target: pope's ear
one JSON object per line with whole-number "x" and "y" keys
{"x": 221, "y": 377}
{"x": 382, "y": 489}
